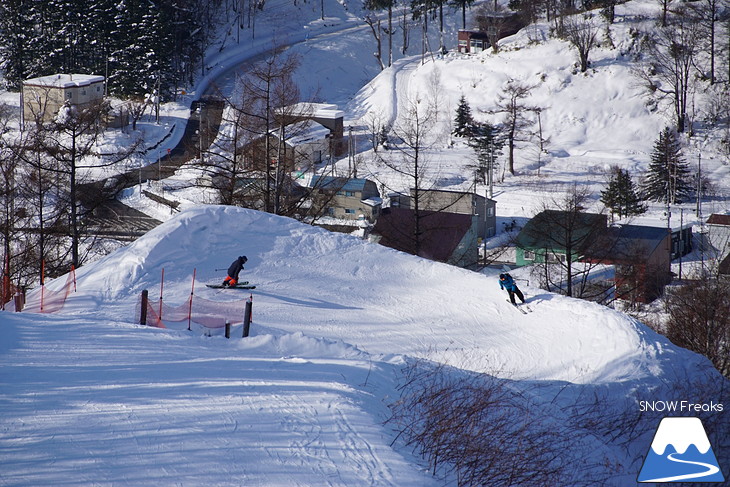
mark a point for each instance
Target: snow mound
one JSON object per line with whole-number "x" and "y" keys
{"x": 338, "y": 288}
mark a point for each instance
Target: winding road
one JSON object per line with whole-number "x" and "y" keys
{"x": 111, "y": 217}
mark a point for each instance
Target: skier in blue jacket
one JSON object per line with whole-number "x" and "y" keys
{"x": 506, "y": 282}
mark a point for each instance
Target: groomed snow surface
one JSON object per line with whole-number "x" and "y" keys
{"x": 88, "y": 397}
{"x": 91, "y": 398}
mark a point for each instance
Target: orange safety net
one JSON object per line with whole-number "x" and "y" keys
{"x": 44, "y": 300}
{"x": 210, "y": 314}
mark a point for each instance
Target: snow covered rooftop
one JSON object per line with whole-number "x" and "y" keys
{"x": 64, "y": 80}
{"x": 315, "y": 110}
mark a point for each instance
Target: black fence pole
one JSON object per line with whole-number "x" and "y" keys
{"x": 247, "y": 319}
{"x": 228, "y": 329}
{"x": 143, "y": 310}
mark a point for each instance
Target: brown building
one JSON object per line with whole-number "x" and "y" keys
{"x": 641, "y": 259}
{"x": 443, "y": 237}
{"x": 718, "y": 235}
{"x": 472, "y": 41}
{"x": 461, "y": 202}
{"x": 475, "y": 41}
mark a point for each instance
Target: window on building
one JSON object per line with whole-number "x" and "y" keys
{"x": 490, "y": 211}
{"x": 348, "y": 211}
{"x": 529, "y": 255}
{"x": 554, "y": 258}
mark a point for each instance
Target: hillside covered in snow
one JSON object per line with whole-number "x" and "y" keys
{"x": 89, "y": 396}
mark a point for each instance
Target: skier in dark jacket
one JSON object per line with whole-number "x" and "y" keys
{"x": 506, "y": 282}
{"x": 233, "y": 271}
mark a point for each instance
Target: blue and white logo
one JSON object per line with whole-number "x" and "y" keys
{"x": 680, "y": 452}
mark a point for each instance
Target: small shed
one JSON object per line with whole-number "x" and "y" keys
{"x": 43, "y": 97}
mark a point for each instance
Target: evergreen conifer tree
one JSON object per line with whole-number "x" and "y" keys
{"x": 668, "y": 178}
{"x": 22, "y": 54}
{"x": 141, "y": 46}
{"x": 487, "y": 143}
{"x": 620, "y": 195}
{"x": 463, "y": 123}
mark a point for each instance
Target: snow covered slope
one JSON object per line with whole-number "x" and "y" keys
{"x": 382, "y": 301}
{"x": 88, "y": 397}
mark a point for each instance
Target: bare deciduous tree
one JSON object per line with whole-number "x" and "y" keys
{"x": 482, "y": 431}
{"x": 582, "y": 34}
{"x": 707, "y": 13}
{"x": 670, "y": 62}
{"x": 71, "y": 139}
{"x": 494, "y": 20}
{"x": 373, "y": 21}
{"x": 562, "y": 233}
{"x": 266, "y": 88}
{"x": 699, "y": 319}
{"x": 511, "y": 102}
{"x": 664, "y": 4}
{"x": 407, "y": 156}
{"x": 136, "y": 106}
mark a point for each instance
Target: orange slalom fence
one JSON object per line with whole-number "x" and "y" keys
{"x": 45, "y": 300}
{"x": 204, "y": 312}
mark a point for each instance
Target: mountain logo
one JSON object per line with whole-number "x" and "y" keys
{"x": 680, "y": 452}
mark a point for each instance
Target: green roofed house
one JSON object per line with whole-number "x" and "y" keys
{"x": 640, "y": 254}
{"x": 552, "y": 234}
